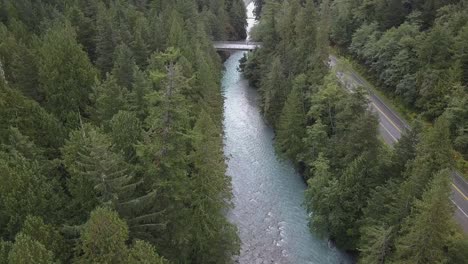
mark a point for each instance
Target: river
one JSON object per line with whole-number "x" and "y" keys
{"x": 268, "y": 192}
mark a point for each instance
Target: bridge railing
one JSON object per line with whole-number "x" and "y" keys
{"x": 237, "y": 42}
{"x": 236, "y": 45}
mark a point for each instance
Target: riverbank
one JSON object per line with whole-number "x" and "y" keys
{"x": 268, "y": 192}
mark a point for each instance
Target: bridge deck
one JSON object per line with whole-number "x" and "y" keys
{"x": 236, "y": 45}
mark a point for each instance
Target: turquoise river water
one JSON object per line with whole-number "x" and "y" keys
{"x": 268, "y": 193}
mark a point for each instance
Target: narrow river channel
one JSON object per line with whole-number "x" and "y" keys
{"x": 268, "y": 193}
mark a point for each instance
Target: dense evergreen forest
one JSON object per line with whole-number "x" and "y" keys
{"x": 110, "y": 131}
{"x": 387, "y": 204}
{"x": 417, "y": 51}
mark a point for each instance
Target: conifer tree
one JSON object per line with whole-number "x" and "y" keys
{"x": 177, "y": 36}
{"x": 84, "y": 17}
{"x": 103, "y": 238}
{"x": 164, "y": 151}
{"x": 274, "y": 92}
{"x": 268, "y": 29}
{"x": 24, "y": 190}
{"x": 27, "y": 250}
{"x": 432, "y": 155}
{"x": 320, "y": 195}
{"x": 144, "y": 253}
{"x": 5, "y": 248}
{"x": 65, "y": 74}
{"x": 323, "y": 31}
{"x": 324, "y": 103}
{"x": 124, "y": 65}
{"x": 47, "y": 235}
{"x": 213, "y": 236}
{"x": 68, "y": 133}
{"x": 109, "y": 98}
{"x": 457, "y": 116}
{"x": 30, "y": 119}
{"x": 315, "y": 142}
{"x": 106, "y": 40}
{"x": 291, "y": 123}
{"x": 238, "y": 19}
{"x": 405, "y": 150}
{"x": 306, "y": 28}
{"x": 125, "y": 133}
{"x": 353, "y": 191}
{"x": 208, "y": 87}
{"x": 97, "y": 175}
{"x": 428, "y": 228}
{"x": 379, "y": 249}
{"x": 137, "y": 101}
{"x": 287, "y": 33}
{"x": 139, "y": 45}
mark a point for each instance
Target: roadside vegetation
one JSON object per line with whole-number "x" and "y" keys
{"x": 348, "y": 64}
{"x": 111, "y": 133}
{"x": 416, "y": 53}
{"x": 388, "y": 205}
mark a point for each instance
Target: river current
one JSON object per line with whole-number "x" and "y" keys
{"x": 267, "y": 192}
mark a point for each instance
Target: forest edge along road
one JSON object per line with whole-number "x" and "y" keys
{"x": 391, "y": 126}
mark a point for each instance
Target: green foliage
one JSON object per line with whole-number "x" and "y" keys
{"x": 457, "y": 249}
{"x": 274, "y": 92}
{"x": 140, "y": 43}
{"x": 212, "y": 234}
{"x": 47, "y": 235}
{"x": 105, "y": 40}
{"x": 65, "y": 75}
{"x": 164, "y": 149}
{"x": 177, "y": 36}
{"x": 19, "y": 63}
{"x": 5, "y": 248}
{"x": 428, "y": 228}
{"x": 381, "y": 201}
{"x": 126, "y": 132}
{"x": 140, "y": 89}
{"x": 109, "y": 98}
{"x": 97, "y": 174}
{"x": 27, "y": 250}
{"x": 321, "y": 194}
{"x": 30, "y": 119}
{"x": 291, "y": 124}
{"x": 238, "y": 19}
{"x": 378, "y": 249}
{"x": 414, "y": 50}
{"x": 103, "y": 238}
{"x": 405, "y": 150}
{"x": 306, "y": 30}
{"x": 144, "y": 253}
{"x": 124, "y": 65}
{"x": 24, "y": 190}
{"x": 123, "y": 138}
{"x": 432, "y": 155}
{"x": 315, "y": 141}
{"x": 456, "y": 114}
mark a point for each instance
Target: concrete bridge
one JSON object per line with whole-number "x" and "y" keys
{"x": 236, "y": 45}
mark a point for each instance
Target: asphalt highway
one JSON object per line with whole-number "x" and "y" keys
{"x": 391, "y": 127}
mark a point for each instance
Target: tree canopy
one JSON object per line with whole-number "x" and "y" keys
{"x": 386, "y": 204}
{"x": 103, "y": 151}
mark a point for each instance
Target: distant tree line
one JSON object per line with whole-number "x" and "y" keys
{"x": 389, "y": 205}
{"x": 111, "y": 133}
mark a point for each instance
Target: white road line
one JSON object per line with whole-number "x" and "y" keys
{"x": 463, "y": 212}
{"x": 396, "y": 140}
